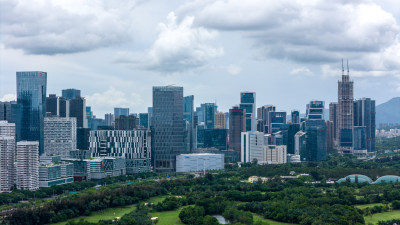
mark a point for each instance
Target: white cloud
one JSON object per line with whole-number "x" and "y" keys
{"x": 234, "y": 69}
{"x": 101, "y": 102}
{"x": 8, "y": 97}
{"x": 301, "y": 71}
{"x": 56, "y": 27}
{"x": 178, "y": 47}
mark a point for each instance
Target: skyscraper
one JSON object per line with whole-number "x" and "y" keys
{"x": 28, "y": 165}
{"x": 220, "y": 120}
{"x": 126, "y": 122}
{"x": 167, "y": 127}
{"x": 7, "y": 155}
{"x": 315, "y": 110}
{"x": 345, "y": 113}
{"x": 252, "y": 147}
{"x": 109, "y": 119}
{"x": 57, "y": 106}
{"x": 364, "y": 115}
{"x": 209, "y": 115}
{"x": 31, "y": 94}
{"x": 121, "y": 112}
{"x": 237, "y": 125}
{"x": 295, "y": 117}
{"x": 71, "y": 93}
{"x": 248, "y": 102}
{"x": 333, "y": 117}
{"x": 12, "y": 112}
{"x": 59, "y": 136}
{"x": 190, "y": 128}
{"x": 144, "y": 120}
{"x": 77, "y": 109}
{"x": 263, "y": 117}
{"x": 276, "y": 119}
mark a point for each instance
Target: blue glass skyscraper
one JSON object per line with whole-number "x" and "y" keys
{"x": 248, "y": 103}
{"x": 31, "y": 94}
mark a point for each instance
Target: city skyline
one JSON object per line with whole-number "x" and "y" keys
{"x": 183, "y": 46}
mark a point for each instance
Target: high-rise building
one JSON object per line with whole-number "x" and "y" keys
{"x": 220, "y": 120}
{"x": 77, "y": 109}
{"x": 167, "y": 127}
{"x": 27, "y": 165}
{"x": 212, "y": 138}
{"x": 364, "y": 115}
{"x": 144, "y": 120}
{"x": 82, "y": 138}
{"x": 248, "y": 103}
{"x": 315, "y": 141}
{"x": 126, "y": 122}
{"x": 295, "y": 117}
{"x": 329, "y": 135}
{"x": 227, "y": 120}
{"x": 133, "y": 145}
{"x": 345, "y": 113}
{"x": 31, "y": 94}
{"x": 276, "y": 120}
{"x": 333, "y": 117}
{"x": 109, "y": 119}
{"x": 59, "y": 136}
{"x": 209, "y": 115}
{"x": 57, "y": 106}
{"x": 71, "y": 93}
{"x": 237, "y": 125}
{"x": 121, "y": 112}
{"x": 7, "y": 155}
{"x": 190, "y": 125}
{"x": 300, "y": 143}
{"x": 12, "y": 112}
{"x": 252, "y": 147}
{"x": 287, "y": 131}
{"x": 275, "y": 154}
{"x": 263, "y": 117}
{"x": 315, "y": 110}
{"x": 188, "y": 108}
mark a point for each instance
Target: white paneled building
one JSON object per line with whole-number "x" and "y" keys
{"x": 252, "y": 147}
{"x": 59, "y": 136}
{"x": 199, "y": 162}
{"x": 28, "y": 165}
{"x": 275, "y": 154}
{"x": 7, "y": 155}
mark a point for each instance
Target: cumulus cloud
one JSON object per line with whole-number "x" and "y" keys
{"x": 308, "y": 32}
{"x": 57, "y": 27}
{"x": 8, "y": 97}
{"x": 111, "y": 98}
{"x": 301, "y": 71}
{"x": 179, "y": 46}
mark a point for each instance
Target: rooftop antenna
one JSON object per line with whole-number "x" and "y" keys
{"x": 342, "y": 67}
{"x": 348, "y": 71}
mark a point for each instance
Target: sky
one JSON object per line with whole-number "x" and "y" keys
{"x": 289, "y": 52}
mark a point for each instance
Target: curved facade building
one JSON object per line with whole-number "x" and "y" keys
{"x": 352, "y": 178}
{"x": 388, "y": 179}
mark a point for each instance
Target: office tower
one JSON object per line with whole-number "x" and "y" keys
{"x": 275, "y": 154}
{"x": 252, "y": 147}
{"x": 295, "y": 117}
{"x": 59, "y": 136}
{"x": 7, "y": 155}
{"x": 315, "y": 110}
{"x": 360, "y": 140}
{"x": 150, "y": 112}
{"x": 276, "y": 119}
{"x": 200, "y": 114}
{"x": 227, "y": 120}
{"x": 31, "y": 94}
{"x": 77, "y": 109}
{"x": 220, "y": 120}
{"x": 288, "y": 131}
{"x": 144, "y": 120}
{"x": 167, "y": 127}
{"x": 89, "y": 112}
{"x": 300, "y": 143}
{"x": 57, "y": 106}
{"x": 248, "y": 103}
{"x": 121, "y": 112}
{"x": 315, "y": 141}
{"x": 237, "y": 125}
{"x": 71, "y": 93}
{"x": 263, "y": 116}
{"x": 329, "y": 135}
{"x": 345, "y": 113}
{"x": 12, "y": 112}
{"x": 333, "y": 117}
{"x": 364, "y": 115}
{"x": 126, "y": 122}
{"x": 190, "y": 126}
{"x": 27, "y": 165}
{"x": 82, "y": 138}
{"x": 133, "y": 145}
{"x": 209, "y": 110}
{"x": 212, "y": 138}
{"x": 109, "y": 119}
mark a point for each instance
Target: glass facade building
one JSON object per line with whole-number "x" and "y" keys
{"x": 248, "y": 103}
{"x": 167, "y": 127}
{"x": 31, "y": 94}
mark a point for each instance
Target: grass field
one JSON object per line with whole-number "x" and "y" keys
{"x": 368, "y": 205}
{"x": 374, "y": 218}
{"x": 271, "y": 222}
{"x": 168, "y": 217}
{"x": 111, "y": 213}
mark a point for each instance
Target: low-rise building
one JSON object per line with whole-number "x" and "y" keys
{"x": 54, "y": 172}
{"x": 275, "y": 154}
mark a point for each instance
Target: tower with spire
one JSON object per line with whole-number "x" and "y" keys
{"x": 345, "y": 118}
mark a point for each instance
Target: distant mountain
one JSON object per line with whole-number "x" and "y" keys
{"x": 388, "y": 112}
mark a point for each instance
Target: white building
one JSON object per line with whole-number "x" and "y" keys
{"x": 275, "y": 154}
{"x": 28, "y": 165}
{"x": 252, "y": 147}
{"x": 199, "y": 162}
{"x": 7, "y": 155}
{"x": 59, "y": 136}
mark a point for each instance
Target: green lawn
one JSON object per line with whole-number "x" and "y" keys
{"x": 168, "y": 217}
{"x": 111, "y": 213}
{"x": 374, "y": 218}
{"x": 368, "y": 205}
{"x": 271, "y": 222}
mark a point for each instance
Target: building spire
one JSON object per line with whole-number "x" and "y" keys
{"x": 342, "y": 68}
